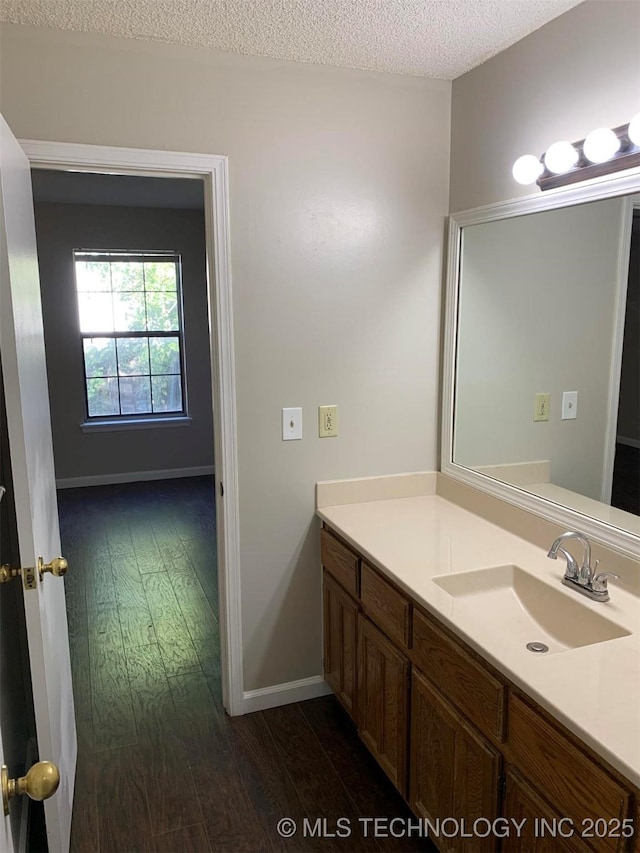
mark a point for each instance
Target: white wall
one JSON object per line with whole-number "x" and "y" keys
{"x": 579, "y": 72}
{"x": 339, "y": 189}
{"x": 537, "y": 311}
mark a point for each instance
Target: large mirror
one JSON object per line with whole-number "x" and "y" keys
{"x": 542, "y": 380}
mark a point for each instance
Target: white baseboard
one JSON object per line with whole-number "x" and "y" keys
{"x": 132, "y": 477}
{"x": 284, "y": 694}
{"x": 630, "y": 442}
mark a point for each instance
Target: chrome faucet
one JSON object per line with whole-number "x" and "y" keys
{"x": 583, "y": 578}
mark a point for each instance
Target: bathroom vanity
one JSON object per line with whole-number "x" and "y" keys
{"x": 428, "y": 609}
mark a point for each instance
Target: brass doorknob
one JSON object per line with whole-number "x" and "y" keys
{"x": 57, "y": 567}
{"x": 40, "y": 783}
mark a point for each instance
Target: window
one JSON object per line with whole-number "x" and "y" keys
{"x": 129, "y": 306}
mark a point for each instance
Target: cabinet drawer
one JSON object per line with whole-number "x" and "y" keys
{"x": 340, "y": 561}
{"x": 388, "y": 608}
{"x": 473, "y": 690}
{"x": 578, "y": 787}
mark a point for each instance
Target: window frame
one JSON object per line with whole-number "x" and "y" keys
{"x": 134, "y": 419}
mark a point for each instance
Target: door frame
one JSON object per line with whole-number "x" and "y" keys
{"x": 214, "y": 170}
{"x": 615, "y": 370}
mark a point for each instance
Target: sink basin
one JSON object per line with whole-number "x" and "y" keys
{"x": 508, "y": 601}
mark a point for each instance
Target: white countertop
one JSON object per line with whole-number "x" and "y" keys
{"x": 593, "y": 690}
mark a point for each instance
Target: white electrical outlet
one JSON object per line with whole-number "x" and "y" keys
{"x": 327, "y": 421}
{"x": 291, "y": 424}
{"x": 569, "y": 405}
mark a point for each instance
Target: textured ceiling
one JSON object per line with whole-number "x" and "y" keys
{"x": 430, "y": 38}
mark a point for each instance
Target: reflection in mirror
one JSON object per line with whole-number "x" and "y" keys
{"x": 542, "y": 305}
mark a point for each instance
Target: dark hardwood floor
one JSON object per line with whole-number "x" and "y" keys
{"x": 625, "y": 493}
{"x": 160, "y": 765}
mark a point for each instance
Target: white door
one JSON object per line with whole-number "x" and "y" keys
{"x": 29, "y": 431}
{"x": 6, "y": 842}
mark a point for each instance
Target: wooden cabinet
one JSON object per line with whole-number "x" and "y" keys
{"x": 469, "y": 685}
{"x": 578, "y": 786}
{"x": 442, "y": 723}
{"x": 535, "y": 826}
{"x": 340, "y": 637}
{"x": 455, "y": 771}
{"x": 383, "y": 701}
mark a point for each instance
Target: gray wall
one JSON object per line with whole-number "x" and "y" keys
{"x": 579, "y": 72}
{"x": 537, "y": 309}
{"x": 338, "y": 195}
{"x": 60, "y": 229}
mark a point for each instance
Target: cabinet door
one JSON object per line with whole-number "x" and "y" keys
{"x": 455, "y": 771}
{"x": 340, "y": 630}
{"x": 382, "y": 701}
{"x": 537, "y": 828}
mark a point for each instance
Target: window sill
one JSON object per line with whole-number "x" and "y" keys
{"x": 135, "y": 423}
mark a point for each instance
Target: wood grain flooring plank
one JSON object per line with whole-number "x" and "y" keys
{"x": 145, "y": 669}
{"x": 113, "y": 717}
{"x": 103, "y": 628}
{"x": 171, "y": 792}
{"x": 229, "y": 816}
{"x": 271, "y": 789}
{"x": 137, "y": 626}
{"x": 368, "y": 786}
{"x": 124, "y": 824}
{"x": 190, "y": 839}
{"x": 177, "y": 649}
{"x": 319, "y": 787}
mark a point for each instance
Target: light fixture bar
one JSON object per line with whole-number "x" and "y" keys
{"x": 627, "y": 157}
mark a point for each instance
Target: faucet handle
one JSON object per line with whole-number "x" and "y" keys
{"x": 599, "y": 583}
{"x": 587, "y": 573}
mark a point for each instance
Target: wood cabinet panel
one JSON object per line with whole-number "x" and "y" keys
{"x": 455, "y": 772}
{"x": 382, "y": 701}
{"x": 468, "y": 685}
{"x": 340, "y": 561}
{"x": 578, "y": 787}
{"x": 538, "y": 830}
{"x": 389, "y": 608}
{"x": 340, "y": 615}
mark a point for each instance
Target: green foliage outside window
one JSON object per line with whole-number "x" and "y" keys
{"x": 139, "y": 372}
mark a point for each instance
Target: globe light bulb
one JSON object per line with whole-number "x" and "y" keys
{"x": 527, "y": 169}
{"x": 560, "y": 157}
{"x": 600, "y": 145}
{"x": 634, "y": 130}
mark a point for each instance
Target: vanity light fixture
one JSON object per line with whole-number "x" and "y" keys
{"x": 602, "y": 152}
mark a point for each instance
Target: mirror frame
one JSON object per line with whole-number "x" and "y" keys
{"x": 622, "y": 184}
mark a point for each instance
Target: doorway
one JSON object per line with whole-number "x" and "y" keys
{"x": 123, "y": 262}
{"x": 625, "y": 492}
{"x": 213, "y": 169}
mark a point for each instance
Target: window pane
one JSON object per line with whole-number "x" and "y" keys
{"x": 167, "y": 393}
{"x": 100, "y": 357}
{"x": 165, "y": 355}
{"x": 95, "y": 311}
{"x": 160, "y": 275}
{"x": 133, "y": 356}
{"x": 127, "y": 275}
{"x": 128, "y": 312}
{"x": 102, "y": 397}
{"x": 92, "y": 276}
{"x": 162, "y": 312}
{"x": 135, "y": 395}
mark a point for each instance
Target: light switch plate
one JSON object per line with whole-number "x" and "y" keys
{"x": 291, "y": 424}
{"x": 569, "y": 405}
